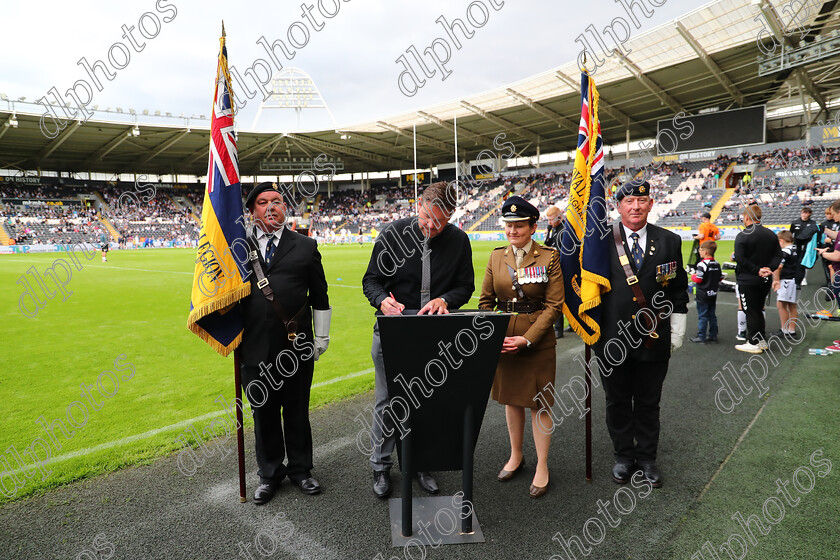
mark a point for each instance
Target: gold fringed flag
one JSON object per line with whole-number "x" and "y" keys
{"x": 584, "y": 246}
{"x": 219, "y": 280}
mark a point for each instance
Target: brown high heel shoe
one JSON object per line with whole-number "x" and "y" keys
{"x": 504, "y": 475}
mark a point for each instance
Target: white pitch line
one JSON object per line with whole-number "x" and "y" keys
{"x": 126, "y": 440}
{"x": 342, "y": 378}
{"x": 109, "y": 266}
{"x": 145, "y": 270}
{"x": 182, "y": 424}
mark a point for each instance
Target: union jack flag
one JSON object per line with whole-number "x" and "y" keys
{"x": 584, "y": 250}
{"x": 224, "y": 160}
{"x": 219, "y": 280}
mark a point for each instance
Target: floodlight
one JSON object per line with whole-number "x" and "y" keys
{"x": 135, "y": 131}
{"x": 13, "y": 122}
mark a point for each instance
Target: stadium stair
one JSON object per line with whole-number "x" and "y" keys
{"x": 721, "y": 202}
{"x": 101, "y": 200}
{"x": 725, "y": 175}
{"x": 106, "y": 223}
{"x": 5, "y": 239}
{"x": 184, "y": 201}
{"x": 316, "y": 204}
{"x": 497, "y": 206}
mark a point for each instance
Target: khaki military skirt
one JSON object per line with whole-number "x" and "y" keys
{"x": 522, "y": 376}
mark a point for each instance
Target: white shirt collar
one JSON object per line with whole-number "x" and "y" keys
{"x": 261, "y": 235}
{"x": 642, "y": 236}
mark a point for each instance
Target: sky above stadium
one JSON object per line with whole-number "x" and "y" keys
{"x": 349, "y": 48}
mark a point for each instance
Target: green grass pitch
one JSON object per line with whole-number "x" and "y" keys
{"x": 136, "y": 304}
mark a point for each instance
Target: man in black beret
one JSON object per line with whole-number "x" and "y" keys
{"x": 279, "y": 345}
{"x": 642, "y": 322}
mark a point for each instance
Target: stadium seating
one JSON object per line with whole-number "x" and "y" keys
{"x": 59, "y": 213}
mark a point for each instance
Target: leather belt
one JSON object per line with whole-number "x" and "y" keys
{"x": 633, "y": 282}
{"x": 529, "y": 306}
{"x": 264, "y": 286}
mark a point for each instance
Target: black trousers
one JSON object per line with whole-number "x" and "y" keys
{"x": 281, "y": 423}
{"x": 827, "y": 271}
{"x": 633, "y": 391}
{"x": 753, "y": 298}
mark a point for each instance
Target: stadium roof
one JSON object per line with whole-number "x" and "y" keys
{"x": 705, "y": 58}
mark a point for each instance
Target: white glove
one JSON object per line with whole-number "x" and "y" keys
{"x": 321, "y": 321}
{"x": 677, "y": 330}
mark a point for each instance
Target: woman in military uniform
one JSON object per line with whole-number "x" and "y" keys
{"x": 524, "y": 278}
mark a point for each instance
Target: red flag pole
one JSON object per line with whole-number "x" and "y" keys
{"x": 588, "y": 420}
{"x": 240, "y": 430}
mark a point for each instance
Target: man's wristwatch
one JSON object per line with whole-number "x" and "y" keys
{"x": 444, "y": 301}
{"x": 528, "y": 343}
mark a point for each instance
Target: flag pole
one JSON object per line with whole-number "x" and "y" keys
{"x": 455, "y": 128}
{"x": 240, "y": 429}
{"x": 414, "y": 135}
{"x": 588, "y": 419}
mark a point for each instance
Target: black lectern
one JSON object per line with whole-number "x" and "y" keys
{"x": 440, "y": 369}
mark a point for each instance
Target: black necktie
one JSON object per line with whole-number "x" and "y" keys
{"x": 426, "y": 273}
{"x": 636, "y": 251}
{"x": 269, "y": 249}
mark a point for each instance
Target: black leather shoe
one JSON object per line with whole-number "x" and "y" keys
{"x": 698, "y": 340}
{"x": 426, "y": 482}
{"x": 622, "y": 471}
{"x": 265, "y": 492}
{"x": 309, "y": 486}
{"x": 382, "y": 484}
{"x": 712, "y": 340}
{"x": 652, "y": 474}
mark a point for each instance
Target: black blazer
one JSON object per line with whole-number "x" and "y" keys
{"x": 662, "y": 247}
{"x": 295, "y": 274}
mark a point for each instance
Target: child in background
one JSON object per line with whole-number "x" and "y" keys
{"x": 784, "y": 284}
{"x": 707, "y": 278}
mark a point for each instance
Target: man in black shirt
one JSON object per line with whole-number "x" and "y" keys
{"x": 803, "y": 230}
{"x": 757, "y": 254}
{"x": 552, "y": 239}
{"x": 395, "y": 282}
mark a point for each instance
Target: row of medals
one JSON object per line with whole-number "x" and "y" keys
{"x": 532, "y": 275}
